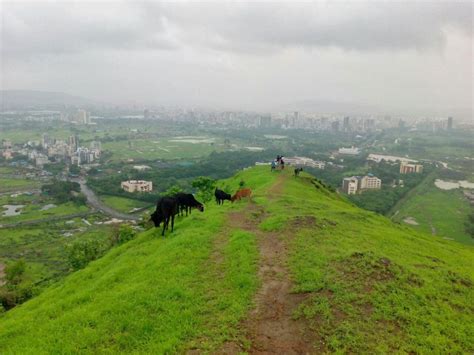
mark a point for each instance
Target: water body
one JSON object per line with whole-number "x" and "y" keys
{"x": 450, "y": 185}
{"x": 48, "y": 207}
{"x": 12, "y": 210}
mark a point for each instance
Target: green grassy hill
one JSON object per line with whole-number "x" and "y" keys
{"x": 298, "y": 269}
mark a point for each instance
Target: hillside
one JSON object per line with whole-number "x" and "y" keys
{"x": 299, "y": 269}
{"x": 29, "y": 99}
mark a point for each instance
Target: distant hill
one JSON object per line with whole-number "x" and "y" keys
{"x": 298, "y": 269}
{"x": 27, "y": 99}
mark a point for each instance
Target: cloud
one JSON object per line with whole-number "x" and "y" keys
{"x": 257, "y": 28}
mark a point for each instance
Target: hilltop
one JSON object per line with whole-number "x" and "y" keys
{"x": 297, "y": 269}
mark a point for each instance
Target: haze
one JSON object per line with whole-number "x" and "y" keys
{"x": 264, "y": 56}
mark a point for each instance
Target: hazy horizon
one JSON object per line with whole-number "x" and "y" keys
{"x": 400, "y": 56}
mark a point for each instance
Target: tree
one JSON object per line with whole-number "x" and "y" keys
{"x": 205, "y": 187}
{"x": 173, "y": 190}
{"x": 74, "y": 169}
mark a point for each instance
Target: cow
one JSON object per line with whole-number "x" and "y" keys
{"x": 186, "y": 202}
{"x": 298, "y": 171}
{"x": 166, "y": 209}
{"x": 221, "y": 196}
{"x": 241, "y": 193}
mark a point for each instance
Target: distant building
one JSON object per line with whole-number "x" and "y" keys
{"x": 303, "y": 161}
{"x": 349, "y": 151}
{"x": 141, "y": 167}
{"x": 407, "y": 168}
{"x": 450, "y": 123}
{"x": 346, "y": 124}
{"x": 354, "y": 184}
{"x": 265, "y": 121}
{"x": 137, "y": 186}
{"x": 83, "y": 117}
{"x": 389, "y": 158}
{"x": 370, "y": 182}
{"x": 350, "y": 185}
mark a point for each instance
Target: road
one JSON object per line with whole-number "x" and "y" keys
{"x": 96, "y": 203}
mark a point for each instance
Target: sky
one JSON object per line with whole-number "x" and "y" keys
{"x": 405, "y": 55}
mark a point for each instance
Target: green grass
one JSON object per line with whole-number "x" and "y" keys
{"x": 122, "y": 204}
{"x": 440, "y": 212}
{"x": 146, "y": 149}
{"x": 370, "y": 286}
{"x": 17, "y": 184}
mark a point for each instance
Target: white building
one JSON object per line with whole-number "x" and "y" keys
{"x": 389, "y": 158}
{"x": 370, "y": 182}
{"x": 303, "y": 161}
{"x": 354, "y": 184}
{"x": 141, "y": 167}
{"x": 137, "y": 186}
{"x": 350, "y": 184}
{"x": 349, "y": 151}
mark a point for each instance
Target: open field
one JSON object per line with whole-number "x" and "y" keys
{"x": 17, "y": 184}
{"x": 122, "y": 204}
{"x": 173, "y": 148}
{"x": 358, "y": 283}
{"x": 436, "y": 211}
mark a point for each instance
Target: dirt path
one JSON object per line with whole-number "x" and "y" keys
{"x": 270, "y": 326}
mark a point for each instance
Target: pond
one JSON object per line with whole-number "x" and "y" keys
{"x": 12, "y": 210}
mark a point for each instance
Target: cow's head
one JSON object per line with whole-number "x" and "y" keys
{"x": 156, "y": 218}
{"x": 200, "y": 207}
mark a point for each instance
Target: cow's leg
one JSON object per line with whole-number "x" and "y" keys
{"x": 164, "y": 227}
{"x": 172, "y": 223}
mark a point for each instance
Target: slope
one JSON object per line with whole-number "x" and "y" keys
{"x": 298, "y": 269}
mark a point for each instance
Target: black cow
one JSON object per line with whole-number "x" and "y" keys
{"x": 298, "y": 171}
{"x": 166, "y": 209}
{"x": 221, "y": 196}
{"x": 186, "y": 202}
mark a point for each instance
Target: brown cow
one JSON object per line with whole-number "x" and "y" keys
{"x": 241, "y": 193}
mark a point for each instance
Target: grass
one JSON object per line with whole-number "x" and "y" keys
{"x": 370, "y": 286}
{"x": 122, "y": 204}
{"x": 7, "y": 185}
{"x": 440, "y": 212}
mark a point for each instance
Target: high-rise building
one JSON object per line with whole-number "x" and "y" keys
{"x": 265, "y": 121}
{"x": 73, "y": 142}
{"x": 450, "y": 123}
{"x": 345, "y": 125}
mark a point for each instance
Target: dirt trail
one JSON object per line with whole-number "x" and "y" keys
{"x": 270, "y": 326}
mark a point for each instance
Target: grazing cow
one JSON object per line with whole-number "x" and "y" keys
{"x": 241, "y": 193}
{"x": 298, "y": 171}
{"x": 166, "y": 209}
{"x": 221, "y": 196}
{"x": 186, "y": 202}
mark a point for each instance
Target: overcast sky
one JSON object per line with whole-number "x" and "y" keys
{"x": 243, "y": 55}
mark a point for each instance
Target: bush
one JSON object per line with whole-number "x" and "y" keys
{"x": 83, "y": 251}
{"x": 14, "y": 272}
{"x": 122, "y": 234}
{"x": 205, "y": 187}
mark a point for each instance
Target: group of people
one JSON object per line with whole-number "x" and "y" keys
{"x": 278, "y": 163}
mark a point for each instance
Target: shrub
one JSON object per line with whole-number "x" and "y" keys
{"x": 83, "y": 251}
{"x": 122, "y": 234}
